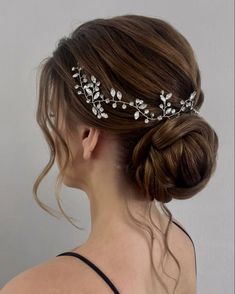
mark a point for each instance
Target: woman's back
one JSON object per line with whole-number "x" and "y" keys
{"x": 126, "y": 268}
{"x": 126, "y": 264}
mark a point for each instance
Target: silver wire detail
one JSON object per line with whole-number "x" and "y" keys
{"x": 90, "y": 89}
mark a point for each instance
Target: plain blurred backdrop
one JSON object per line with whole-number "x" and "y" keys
{"x": 29, "y": 31}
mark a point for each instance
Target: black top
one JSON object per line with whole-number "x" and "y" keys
{"x": 101, "y": 274}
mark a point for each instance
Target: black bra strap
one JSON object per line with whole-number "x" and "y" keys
{"x": 102, "y": 275}
{"x": 92, "y": 265}
{"x": 192, "y": 242}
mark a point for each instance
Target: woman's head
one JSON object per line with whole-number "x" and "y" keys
{"x": 139, "y": 56}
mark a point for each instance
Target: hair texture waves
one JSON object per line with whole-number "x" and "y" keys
{"x": 140, "y": 56}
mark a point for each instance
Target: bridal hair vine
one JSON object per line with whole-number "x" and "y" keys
{"x": 90, "y": 88}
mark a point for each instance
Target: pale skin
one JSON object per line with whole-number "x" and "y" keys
{"x": 115, "y": 245}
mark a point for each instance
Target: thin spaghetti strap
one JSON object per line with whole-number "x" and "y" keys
{"x": 192, "y": 242}
{"x": 94, "y": 267}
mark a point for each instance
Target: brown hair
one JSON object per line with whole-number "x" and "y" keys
{"x": 140, "y": 56}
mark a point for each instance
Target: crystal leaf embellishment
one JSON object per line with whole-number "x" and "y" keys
{"x": 136, "y": 115}
{"x": 104, "y": 115}
{"x": 168, "y": 110}
{"x": 91, "y": 89}
{"x": 119, "y": 95}
{"x": 97, "y": 94}
{"x": 93, "y": 79}
{"x": 143, "y": 106}
{"x": 112, "y": 92}
{"x": 168, "y": 96}
{"x": 163, "y": 98}
{"x": 94, "y": 110}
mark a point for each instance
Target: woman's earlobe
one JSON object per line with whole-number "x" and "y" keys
{"x": 86, "y": 154}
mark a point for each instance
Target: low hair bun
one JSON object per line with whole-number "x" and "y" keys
{"x": 176, "y": 158}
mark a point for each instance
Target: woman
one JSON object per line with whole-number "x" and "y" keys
{"x": 118, "y": 106}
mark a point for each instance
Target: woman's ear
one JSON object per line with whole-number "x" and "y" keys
{"x": 90, "y": 137}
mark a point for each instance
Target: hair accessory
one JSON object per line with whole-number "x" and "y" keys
{"x": 92, "y": 92}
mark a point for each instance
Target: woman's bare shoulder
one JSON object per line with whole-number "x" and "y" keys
{"x": 65, "y": 275}
{"x": 46, "y": 277}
